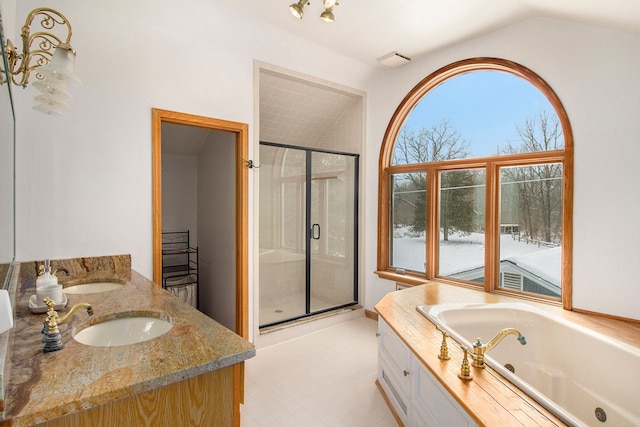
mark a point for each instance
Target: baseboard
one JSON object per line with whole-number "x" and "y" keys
{"x": 371, "y": 315}
{"x": 388, "y": 402}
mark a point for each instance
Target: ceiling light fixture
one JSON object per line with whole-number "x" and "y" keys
{"x": 296, "y": 9}
{"x": 327, "y": 15}
{"x": 44, "y": 53}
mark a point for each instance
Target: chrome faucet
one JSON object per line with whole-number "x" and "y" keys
{"x": 480, "y": 349}
{"x": 52, "y": 339}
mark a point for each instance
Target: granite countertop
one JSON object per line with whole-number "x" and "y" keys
{"x": 43, "y": 386}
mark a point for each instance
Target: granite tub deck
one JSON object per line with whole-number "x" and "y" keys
{"x": 42, "y": 387}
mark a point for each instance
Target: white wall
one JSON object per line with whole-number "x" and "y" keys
{"x": 217, "y": 228}
{"x": 180, "y": 194}
{"x": 595, "y": 73}
{"x": 84, "y": 179}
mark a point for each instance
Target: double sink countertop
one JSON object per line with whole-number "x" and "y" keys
{"x": 43, "y": 386}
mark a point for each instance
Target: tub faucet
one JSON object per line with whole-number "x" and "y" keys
{"x": 480, "y": 349}
{"x": 52, "y": 339}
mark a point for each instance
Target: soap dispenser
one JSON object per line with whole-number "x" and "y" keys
{"x": 46, "y": 278}
{"x": 47, "y": 287}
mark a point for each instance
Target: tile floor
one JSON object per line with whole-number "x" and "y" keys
{"x": 326, "y": 378}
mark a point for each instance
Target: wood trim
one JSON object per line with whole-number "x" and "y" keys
{"x": 567, "y": 226}
{"x": 433, "y": 223}
{"x": 607, "y": 316}
{"x": 371, "y": 315}
{"x": 383, "y": 218}
{"x": 242, "y": 201}
{"x": 385, "y": 169}
{"x": 156, "y": 193}
{"x": 388, "y": 402}
{"x": 408, "y": 278}
{"x": 241, "y": 131}
{"x": 480, "y": 162}
{"x": 492, "y": 203}
{"x": 242, "y": 231}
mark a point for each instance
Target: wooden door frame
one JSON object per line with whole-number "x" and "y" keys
{"x": 241, "y": 131}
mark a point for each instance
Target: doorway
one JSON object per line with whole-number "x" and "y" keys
{"x": 308, "y": 232}
{"x": 237, "y": 134}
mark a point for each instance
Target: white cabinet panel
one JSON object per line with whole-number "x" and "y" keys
{"x": 417, "y": 397}
{"x": 433, "y": 401}
{"x": 395, "y": 349}
{"x": 393, "y": 369}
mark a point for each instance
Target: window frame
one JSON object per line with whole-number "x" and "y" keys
{"x": 492, "y": 166}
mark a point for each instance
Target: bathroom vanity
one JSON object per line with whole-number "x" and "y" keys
{"x": 189, "y": 375}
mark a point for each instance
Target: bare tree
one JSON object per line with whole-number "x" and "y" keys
{"x": 439, "y": 142}
{"x": 539, "y": 186}
{"x": 540, "y": 133}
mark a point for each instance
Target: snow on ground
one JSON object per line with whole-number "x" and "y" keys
{"x": 461, "y": 253}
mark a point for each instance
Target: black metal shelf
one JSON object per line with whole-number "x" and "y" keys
{"x": 179, "y": 260}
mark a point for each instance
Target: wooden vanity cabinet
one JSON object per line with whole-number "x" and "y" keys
{"x": 205, "y": 400}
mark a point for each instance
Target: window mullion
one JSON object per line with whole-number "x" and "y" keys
{"x": 433, "y": 226}
{"x": 492, "y": 216}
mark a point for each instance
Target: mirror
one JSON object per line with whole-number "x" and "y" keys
{"x": 7, "y": 171}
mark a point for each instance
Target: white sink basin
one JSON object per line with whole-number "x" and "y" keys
{"x": 90, "y": 288}
{"x": 124, "y": 329}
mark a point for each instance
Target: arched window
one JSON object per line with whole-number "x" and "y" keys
{"x": 476, "y": 183}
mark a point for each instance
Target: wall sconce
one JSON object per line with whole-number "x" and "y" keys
{"x": 48, "y": 56}
{"x": 296, "y": 9}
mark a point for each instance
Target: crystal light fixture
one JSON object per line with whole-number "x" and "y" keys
{"x": 48, "y": 56}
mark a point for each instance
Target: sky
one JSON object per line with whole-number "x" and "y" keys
{"x": 483, "y": 106}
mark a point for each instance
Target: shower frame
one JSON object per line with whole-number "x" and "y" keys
{"x": 310, "y": 231}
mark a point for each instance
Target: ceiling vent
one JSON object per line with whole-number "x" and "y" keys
{"x": 393, "y": 59}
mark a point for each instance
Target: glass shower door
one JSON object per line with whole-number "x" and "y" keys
{"x": 282, "y": 255}
{"x": 308, "y": 232}
{"x": 332, "y": 231}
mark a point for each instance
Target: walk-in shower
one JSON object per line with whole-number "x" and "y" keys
{"x": 308, "y": 232}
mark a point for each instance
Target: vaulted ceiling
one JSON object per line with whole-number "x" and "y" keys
{"x": 368, "y": 29}
{"x": 299, "y": 113}
{"x": 296, "y": 112}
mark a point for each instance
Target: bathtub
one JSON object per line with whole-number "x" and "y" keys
{"x": 572, "y": 371}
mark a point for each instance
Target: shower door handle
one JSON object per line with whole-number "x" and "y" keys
{"x": 315, "y": 232}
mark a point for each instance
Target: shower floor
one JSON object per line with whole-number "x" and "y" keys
{"x": 290, "y": 306}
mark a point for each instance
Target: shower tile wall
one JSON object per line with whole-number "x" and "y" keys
{"x": 301, "y": 113}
